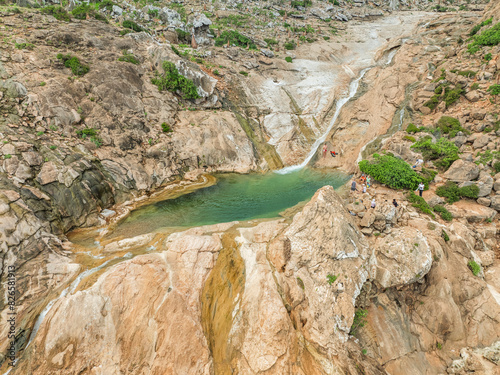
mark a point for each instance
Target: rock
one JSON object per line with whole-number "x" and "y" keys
{"x": 461, "y": 171}
{"x": 320, "y": 13}
{"x": 485, "y": 184}
{"x": 171, "y": 18}
{"x": 495, "y": 202}
{"x": 14, "y": 89}
{"x": 108, "y": 213}
{"x": 368, "y": 219}
{"x": 478, "y": 115}
{"x": 267, "y": 53}
{"x": 481, "y": 141}
{"x": 201, "y": 29}
{"x": 473, "y": 96}
{"x": 116, "y": 11}
{"x": 435, "y": 200}
{"x": 32, "y": 158}
{"x": 484, "y": 201}
{"x": 459, "y": 140}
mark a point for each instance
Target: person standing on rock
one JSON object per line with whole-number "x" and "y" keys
{"x": 364, "y": 188}
{"x": 373, "y": 204}
{"x": 353, "y": 186}
{"x": 395, "y": 203}
{"x": 325, "y": 149}
{"x": 421, "y": 188}
{"x": 368, "y": 181}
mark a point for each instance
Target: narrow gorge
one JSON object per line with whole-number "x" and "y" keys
{"x": 183, "y": 187}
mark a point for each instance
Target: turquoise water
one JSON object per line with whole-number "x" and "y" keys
{"x": 234, "y": 197}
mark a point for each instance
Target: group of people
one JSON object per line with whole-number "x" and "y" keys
{"x": 366, "y": 181}
{"x": 325, "y": 151}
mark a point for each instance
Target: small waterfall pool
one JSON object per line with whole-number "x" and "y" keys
{"x": 233, "y": 197}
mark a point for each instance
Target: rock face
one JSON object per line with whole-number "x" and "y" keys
{"x": 461, "y": 171}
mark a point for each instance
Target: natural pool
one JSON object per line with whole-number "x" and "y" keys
{"x": 234, "y": 197}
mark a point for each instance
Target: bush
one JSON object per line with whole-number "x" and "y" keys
{"x": 420, "y": 203}
{"x": 288, "y": 59}
{"x": 74, "y": 64}
{"x": 234, "y": 37}
{"x": 90, "y": 133}
{"x": 412, "y": 129}
{"x": 452, "y": 193}
{"x": 443, "y": 152}
{"x": 496, "y": 166}
{"x": 452, "y": 95}
{"x": 166, "y": 128}
{"x": 488, "y": 57}
{"x": 489, "y": 37}
{"x": 359, "y": 320}
{"x": 467, "y": 73}
{"x": 183, "y": 36}
{"x": 432, "y": 103}
{"x": 172, "y": 81}
{"x": 474, "y": 267}
{"x": 476, "y": 28}
{"x": 409, "y": 138}
{"x": 443, "y": 212}
{"x": 128, "y": 24}
{"x": 290, "y": 45}
{"x": 243, "y": 73}
{"x": 450, "y": 125}
{"x": 82, "y": 11}
{"x": 494, "y": 90}
{"x": 270, "y": 41}
{"x": 29, "y": 46}
{"x": 445, "y": 236}
{"x": 58, "y": 12}
{"x": 107, "y": 5}
{"x": 129, "y": 57}
{"x": 331, "y": 278}
{"x": 394, "y": 172}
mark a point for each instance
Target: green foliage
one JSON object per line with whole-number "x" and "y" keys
{"x": 25, "y": 46}
{"x": 234, "y": 37}
{"x": 153, "y": 12}
{"x": 489, "y": 37}
{"x": 433, "y": 102}
{"x": 452, "y": 95}
{"x": 450, "y": 125}
{"x": 288, "y": 59}
{"x": 129, "y": 57}
{"x": 420, "y": 203}
{"x": 478, "y": 27}
{"x": 74, "y": 64}
{"x": 359, "y": 320}
{"x": 304, "y": 3}
{"x": 443, "y": 212}
{"x": 445, "y": 236}
{"x": 443, "y": 152}
{"x": 42, "y": 83}
{"x": 270, "y": 41}
{"x": 183, "y": 36}
{"x": 409, "y": 138}
{"x": 467, "y": 73}
{"x": 83, "y": 11}
{"x": 487, "y": 156}
{"x": 412, "y": 129}
{"x": 172, "y": 81}
{"x": 494, "y": 90}
{"x": 176, "y": 51}
{"x": 52, "y": 147}
{"x": 488, "y": 57}
{"x": 166, "y": 128}
{"x": 452, "y": 193}
{"x": 58, "y": 12}
{"x": 290, "y": 45}
{"x": 496, "y": 166}
{"x": 331, "y": 278}
{"x": 7, "y": 156}
{"x": 128, "y": 24}
{"x": 243, "y": 73}
{"x": 474, "y": 267}
{"x": 90, "y": 133}
{"x": 439, "y": 346}
{"x": 107, "y": 5}
{"x": 474, "y": 86}
{"x": 300, "y": 283}
{"x": 394, "y": 172}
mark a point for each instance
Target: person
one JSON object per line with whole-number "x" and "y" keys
{"x": 353, "y": 186}
{"x": 363, "y": 178}
{"x": 373, "y": 203}
{"x": 421, "y": 188}
{"x": 333, "y": 153}
{"x": 325, "y": 149}
{"x": 418, "y": 163}
{"x": 395, "y": 203}
{"x": 368, "y": 181}
{"x": 364, "y": 188}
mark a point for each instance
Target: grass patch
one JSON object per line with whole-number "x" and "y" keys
{"x": 288, "y": 59}
{"x": 59, "y": 13}
{"x": 443, "y": 212}
{"x": 452, "y": 193}
{"x": 489, "y": 37}
{"x": 29, "y": 46}
{"x": 419, "y": 203}
{"x": 131, "y": 25}
{"x": 234, "y": 38}
{"x": 129, "y": 57}
{"x": 74, "y": 64}
{"x": 331, "y": 278}
{"x": 474, "y": 267}
{"x": 359, "y": 320}
{"x": 443, "y": 152}
{"x": 445, "y": 236}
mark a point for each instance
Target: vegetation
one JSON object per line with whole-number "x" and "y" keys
{"x": 304, "y": 3}
{"x": 172, "y": 81}
{"x": 494, "y": 90}
{"x": 496, "y": 166}
{"x": 270, "y": 41}
{"x": 444, "y": 92}
{"x": 442, "y": 152}
{"x": 474, "y": 267}
{"x": 183, "y": 36}
{"x": 234, "y": 38}
{"x": 420, "y": 203}
{"x": 129, "y": 57}
{"x": 90, "y": 133}
{"x": 74, "y": 64}
{"x": 25, "y": 46}
{"x": 443, "y": 212}
{"x": 445, "y": 236}
{"x": 393, "y": 172}
{"x": 166, "y": 128}
{"x": 489, "y": 37}
{"x": 58, "y": 12}
{"x": 128, "y": 24}
{"x": 331, "y": 278}
{"x": 359, "y": 320}
{"x": 290, "y": 45}
{"x": 243, "y": 73}
{"x": 450, "y": 125}
{"x": 452, "y": 193}
{"x": 288, "y": 59}
{"x": 83, "y": 11}
{"x": 478, "y": 27}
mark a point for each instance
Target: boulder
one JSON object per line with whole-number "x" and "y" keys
{"x": 14, "y": 89}
{"x": 473, "y": 96}
{"x": 201, "y": 29}
{"x": 495, "y": 202}
{"x": 481, "y": 141}
{"x": 484, "y": 201}
{"x": 485, "y": 185}
{"x": 461, "y": 171}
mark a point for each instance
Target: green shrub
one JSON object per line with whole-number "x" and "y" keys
{"x": 474, "y": 267}
{"x": 82, "y": 11}
{"x": 270, "y": 41}
{"x": 467, "y": 73}
{"x": 234, "y": 37}
{"x": 489, "y": 37}
{"x": 488, "y": 57}
{"x": 394, "y": 172}
{"x": 412, "y": 129}
{"x": 450, "y": 125}
{"x": 290, "y": 45}
{"x": 452, "y": 95}
{"x": 443, "y": 152}
{"x": 87, "y": 132}
{"x": 359, "y": 320}
{"x": 300, "y": 283}
{"x": 494, "y": 90}
{"x": 476, "y": 28}
{"x": 474, "y": 86}
{"x": 129, "y": 57}
{"x": 304, "y": 3}
{"x": 172, "y": 81}
{"x": 58, "y": 12}
{"x": 288, "y": 59}
{"x": 74, "y": 64}
{"x": 7, "y": 156}
{"x": 452, "y": 193}
{"x": 331, "y": 278}
{"x": 153, "y": 12}
{"x": 445, "y": 236}
{"x": 243, "y": 73}
{"x": 496, "y": 166}
{"x": 183, "y": 36}
{"x": 443, "y": 212}
{"x": 128, "y": 24}
{"x": 166, "y": 128}
{"x": 420, "y": 203}
{"x": 107, "y": 5}
{"x": 29, "y": 46}
{"x": 409, "y": 138}
{"x": 432, "y": 103}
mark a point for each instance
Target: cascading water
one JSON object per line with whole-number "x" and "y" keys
{"x": 69, "y": 290}
{"x": 353, "y": 89}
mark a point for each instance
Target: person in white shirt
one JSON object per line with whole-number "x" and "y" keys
{"x": 421, "y": 188}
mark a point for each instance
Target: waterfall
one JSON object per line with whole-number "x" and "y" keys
{"x": 353, "y": 89}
